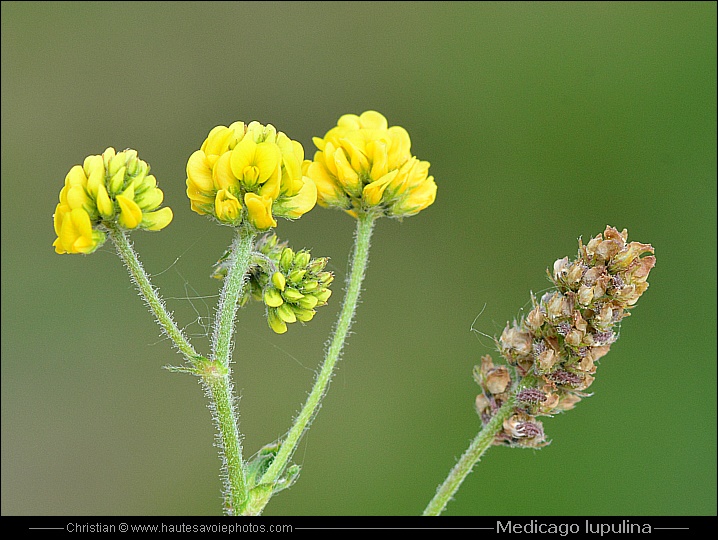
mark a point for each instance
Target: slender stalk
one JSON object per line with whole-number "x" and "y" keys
{"x": 149, "y": 293}
{"x": 240, "y": 257}
{"x": 466, "y": 462}
{"x": 217, "y": 374}
{"x": 360, "y": 257}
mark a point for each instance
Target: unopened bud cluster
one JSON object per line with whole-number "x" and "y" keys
{"x": 291, "y": 284}
{"x": 556, "y": 347}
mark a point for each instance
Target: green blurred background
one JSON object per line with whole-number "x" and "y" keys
{"x": 543, "y": 122}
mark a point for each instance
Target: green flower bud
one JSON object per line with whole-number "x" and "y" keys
{"x": 308, "y": 302}
{"x": 304, "y": 315}
{"x": 286, "y": 313}
{"x": 302, "y": 259}
{"x": 273, "y": 298}
{"x": 317, "y": 265}
{"x": 297, "y": 275}
{"x": 278, "y": 280}
{"x": 275, "y": 323}
{"x": 292, "y": 295}
{"x": 322, "y": 296}
{"x": 310, "y": 286}
{"x": 285, "y": 261}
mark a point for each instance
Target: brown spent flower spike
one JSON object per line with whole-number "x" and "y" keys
{"x": 555, "y": 349}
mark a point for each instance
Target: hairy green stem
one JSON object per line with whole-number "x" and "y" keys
{"x": 466, "y": 462}
{"x": 217, "y": 375}
{"x": 360, "y": 257}
{"x": 239, "y": 261}
{"x": 149, "y": 293}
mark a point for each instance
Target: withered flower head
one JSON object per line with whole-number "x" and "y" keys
{"x": 555, "y": 349}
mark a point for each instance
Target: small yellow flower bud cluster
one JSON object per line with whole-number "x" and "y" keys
{"x": 559, "y": 343}
{"x": 364, "y": 165}
{"x": 291, "y": 285}
{"x": 249, "y": 173}
{"x": 114, "y": 187}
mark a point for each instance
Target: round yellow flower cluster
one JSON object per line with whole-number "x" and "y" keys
{"x": 249, "y": 173}
{"x": 363, "y": 165}
{"x": 111, "y": 188}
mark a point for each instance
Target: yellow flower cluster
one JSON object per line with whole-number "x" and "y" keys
{"x": 249, "y": 173}
{"x": 108, "y": 188}
{"x": 364, "y": 165}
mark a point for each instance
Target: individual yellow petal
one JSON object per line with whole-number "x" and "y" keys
{"x": 76, "y": 197}
{"x": 350, "y": 121}
{"x": 76, "y": 177}
{"x": 117, "y": 163}
{"x": 378, "y": 153}
{"x": 157, "y": 220}
{"x": 104, "y": 204}
{"x": 218, "y": 140}
{"x": 292, "y": 174}
{"x": 60, "y": 211}
{"x": 95, "y": 178}
{"x": 373, "y": 192}
{"x": 319, "y": 143}
{"x": 146, "y": 182}
{"x": 195, "y": 194}
{"x": 347, "y": 176}
{"x": 199, "y": 172}
{"x": 238, "y": 133}
{"x": 149, "y": 199}
{"x": 295, "y": 207}
{"x": 328, "y": 192}
{"x": 243, "y": 156}
{"x": 107, "y": 157}
{"x": 58, "y": 246}
{"x": 91, "y": 163}
{"x": 372, "y": 120}
{"x": 259, "y": 211}
{"x": 201, "y": 208}
{"x": 222, "y": 174}
{"x": 118, "y": 180}
{"x": 130, "y": 212}
{"x": 267, "y": 158}
{"x": 272, "y": 187}
{"x": 356, "y": 150}
{"x": 399, "y": 148}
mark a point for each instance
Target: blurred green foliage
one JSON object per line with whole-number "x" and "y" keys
{"x": 543, "y": 122}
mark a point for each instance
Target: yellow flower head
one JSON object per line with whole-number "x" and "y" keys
{"x": 249, "y": 173}
{"x": 114, "y": 187}
{"x": 364, "y": 165}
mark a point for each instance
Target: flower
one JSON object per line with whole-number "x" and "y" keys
{"x": 113, "y": 188}
{"x": 556, "y": 348}
{"x": 249, "y": 174}
{"x": 363, "y": 165}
